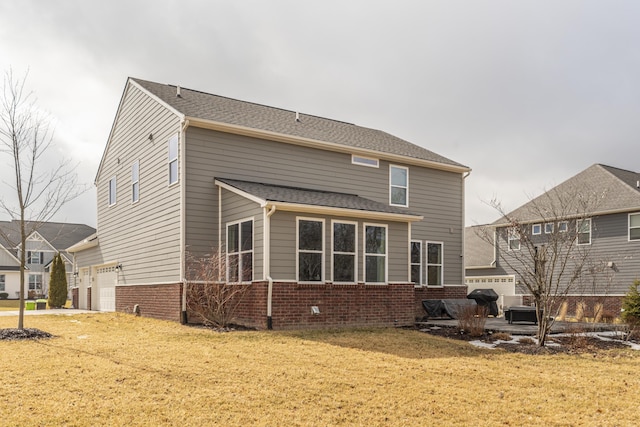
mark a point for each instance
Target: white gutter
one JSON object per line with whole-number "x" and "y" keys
{"x": 267, "y": 261}
{"x": 183, "y": 248}
{"x": 464, "y": 270}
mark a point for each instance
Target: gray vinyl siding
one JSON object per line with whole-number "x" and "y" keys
{"x": 283, "y": 246}
{"x": 143, "y": 236}
{"x": 236, "y": 208}
{"x": 6, "y": 260}
{"x": 437, "y": 195}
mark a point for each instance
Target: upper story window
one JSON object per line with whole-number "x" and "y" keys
{"x": 563, "y": 226}
{"x": 310, "y": 250}
{"x": 434, "y": 264}
{"x": 375, "y": 253}
{"x": 135, "y": 181}
{"x": 365, "y": 161}
{"x": 548, "y": 228}
{"x": 398, "y": 185}
{"x": 34, "y": 257}
{"x": 536, "y": 229}
{"x": 112, "y": 191}
{"x": 173, "y": 159}
{"x": 240, "y": 251}
{"x": 344, "y": 252}
{"x": 513, "y": 238}
{"x": 584, "y": 231}
{"x": 416, "y": 262}
{"x": 634, "y": 226}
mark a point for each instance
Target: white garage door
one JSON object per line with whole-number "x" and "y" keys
{"x": 105, "y": 299}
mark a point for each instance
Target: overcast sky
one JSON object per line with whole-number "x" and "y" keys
{"x": 526, "y": 93}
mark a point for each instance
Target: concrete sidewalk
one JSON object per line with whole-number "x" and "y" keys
{"x": 55, "y": 311}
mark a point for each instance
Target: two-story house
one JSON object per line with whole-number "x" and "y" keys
{"x": 41, "y": 246}
{"x": 607, "y": 236}
{"x": 330, "y": 223}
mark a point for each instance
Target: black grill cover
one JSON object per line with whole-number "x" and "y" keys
{"x": 487, "y": 298}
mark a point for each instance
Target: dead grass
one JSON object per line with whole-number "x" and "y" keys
{"x": 9, "y": 304}
{"x": 117, "y": 369}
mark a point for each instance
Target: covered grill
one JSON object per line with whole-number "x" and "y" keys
{"x": 486, "y": 298}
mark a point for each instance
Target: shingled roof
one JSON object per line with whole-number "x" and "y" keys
{"x": 214, "y": 108}
{"x": 309, "y": 197}
{"x": 60, "y": 235}
{"x": 478, "y": 252}
{"x": 607, "y": 189}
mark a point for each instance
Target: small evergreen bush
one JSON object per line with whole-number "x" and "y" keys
{"x": 58, "y": 283}
{"x": 4, "y": 295}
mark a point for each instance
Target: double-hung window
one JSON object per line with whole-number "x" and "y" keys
{"x": 310, "y": 249}
{"x": 112, "y": 191}
{"x": 240, "y": 251}
{"x": 634, "y": 226}
{"x": 35, "y": 282}
{"x": 416, "y": 262}
{"x": 173, "y": 159}
{"x": 398, "y": 186}
{"x": 434, "y": 264}
{"x": 375, "y": 253}
{"x": 584, "y": 231}
{"x": 34, "y": 257}
{"x": 344, "y": 252}
{"x": 513, "y": 238}
{"x": 2, "y": 282}
{"x": 135, "y": 181}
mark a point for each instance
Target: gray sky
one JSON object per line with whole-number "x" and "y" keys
{"x": 526, "y": 93}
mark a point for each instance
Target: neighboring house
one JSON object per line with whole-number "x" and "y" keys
{"x": 41, "y": 246}
{"x": 327, "y": 223}
{"x": 610, "y": 233}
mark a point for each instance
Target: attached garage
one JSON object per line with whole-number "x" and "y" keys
{"x": 103, "y": 292}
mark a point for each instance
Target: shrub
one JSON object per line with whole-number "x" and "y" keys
{"x": 501, "y": 336}
{"x": 4, "y": 295}
{"x": 631, "y": 308}
{"x": 526, "y": 341}
{"x": 58, "y": 283}
{"x": 472, "y": 319}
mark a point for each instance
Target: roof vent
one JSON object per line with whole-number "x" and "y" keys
{"x": 297, "y": 116}
{"x": 178, "y": 91}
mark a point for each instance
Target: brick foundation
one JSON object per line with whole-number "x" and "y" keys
{"x": 445, "y": 292}
{"x": 74, "y": 297}
{"x": 157, "y": 301}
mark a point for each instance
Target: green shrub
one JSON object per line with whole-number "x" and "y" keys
{"x": 631, "y": 305}
{"x": 4, "y": 295}
{"x": 58, "y": 283}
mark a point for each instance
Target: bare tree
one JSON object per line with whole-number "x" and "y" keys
{"x": 213, "y": 297}
{"x": 541, "y": 242}
{"x": 40, "y": 187}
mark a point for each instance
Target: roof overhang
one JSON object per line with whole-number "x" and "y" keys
{"x": 313, "y": 143}
{"x": 570, "y": 217}
{"x": 88, "y": 243}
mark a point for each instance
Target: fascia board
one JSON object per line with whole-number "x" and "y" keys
{"x": 241, "y": 193}
{"x": 328, "y": 210}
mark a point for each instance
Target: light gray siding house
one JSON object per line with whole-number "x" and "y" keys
{"x": 326, "y": 214}
{"x": 610, "y": 235}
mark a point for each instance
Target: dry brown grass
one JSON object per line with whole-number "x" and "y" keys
{"x": 118, "y": 369}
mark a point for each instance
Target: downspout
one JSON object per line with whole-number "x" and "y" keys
{"x": 464, "y": 271}
{"x": 267, "y": 264}
{"x": 183, "y": 248}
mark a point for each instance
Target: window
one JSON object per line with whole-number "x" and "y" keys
{"x": 34, "y": 257}
{"x": 2, "y": 282}
{"x": 536, "y": 229}
{"x": 344, "y": 252}
{"x": 514, "y": 239}
{"x": 416, "y": 262}
{"x": 310, "y": 250}
{"x": 35, "y": 282}
{"x": 240, "y": 251}
{"x": 375, "y": 262}
{"x": 634, "y": 226}
{"x": 112, "y": 191}
{"x": 135, "y": 181}
{"x": 434, "y": 264}
{"x": 364, "y": 161}
{"x": 584, "y": 231}
{"x": 563, "y": 226}
{"x": 173, "y": 159}
{"x": 398, "y": 186}
{"x": 548, "y": 228}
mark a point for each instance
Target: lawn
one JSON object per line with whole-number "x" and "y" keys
{"x": 9, "y": 304}
{"x": 116, "y": 369}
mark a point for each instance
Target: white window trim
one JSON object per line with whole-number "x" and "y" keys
{"x": 510, "y": 234}
{"x": 3, "y": 282}
{"x": 366, "y": 254}
{"x": 322, "y": 270}
{"x": 40, "y": 257}
{"x": 133, "y": 183}
{"x": 551, "y": 225}
{"x": 29, "y": 282}
{"x": 578, "y": 223}
{"x": 411, "y": 264}
{"x": 406, "y": 205}
{"x": 629, "y": 227}
{"x": 533, "y": 229}
{"x": 361, "y": 161}
{"x": 426, "y": 261}
{"x": 174, "y": 159}
{"x": 566, "y": 226}
{"x": 115, "y": 191}
{"x": 355, "y": 254}
{"x": 240, "y": 251}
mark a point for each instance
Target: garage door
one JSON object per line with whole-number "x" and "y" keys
{"x": 105, "y": 299}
